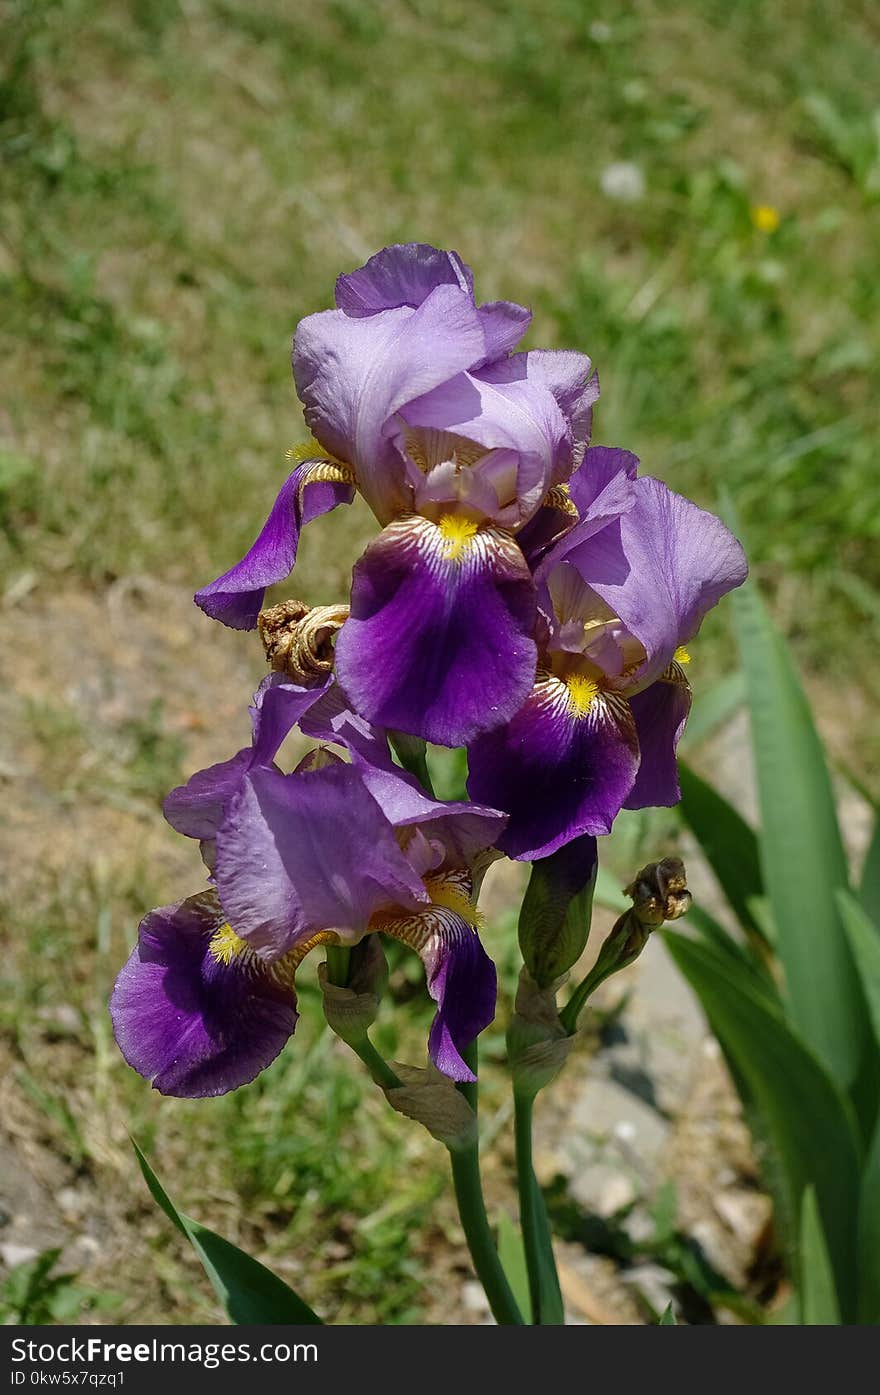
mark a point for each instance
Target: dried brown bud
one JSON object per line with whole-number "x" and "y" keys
{"x": 298, "y": 639}
{"x": 659, "y": 892}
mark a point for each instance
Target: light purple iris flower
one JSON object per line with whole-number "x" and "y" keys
{"x": 329, "y": 854}
{"x": 621, "y": 593}
{"x": 460, "y": 447}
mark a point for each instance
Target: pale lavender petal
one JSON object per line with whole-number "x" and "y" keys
{"x": 660, "y": 713}
{"x": 353, "y": 375}
{"x": 188, "y": 1022}
{"x": 439, "y": 643}
{"x": 236, "y": 597}
{"x": 504, "y": 324}
{"x": 569, "y": 376}
{"x": 602, "y": 490}
{"x": 557, "y": 772}
{"x": 306, "y": 852}
{"x": 403, "y": 274}
{"x": 661, "y": 568}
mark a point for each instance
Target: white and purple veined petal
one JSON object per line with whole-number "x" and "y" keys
{"x": 562, "y": 767}
{"x": 194, "y": 1011}
{"x": 459, "y": 974}
{"x": 439, "y": 640}
{"x": 314, "y": 488}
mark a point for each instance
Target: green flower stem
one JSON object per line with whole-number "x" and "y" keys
{"x": 547, "y": 1308}
{"x": 338, "y": 960}
{"x": 412, "y": 754}
{"x": 474, "y": 1220}
{"x": 378, "y": 1067}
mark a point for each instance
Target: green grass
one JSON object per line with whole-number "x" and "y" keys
{"x": 180, "y": 183}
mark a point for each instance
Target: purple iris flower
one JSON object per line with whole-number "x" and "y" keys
{"x": 621, "y": 593}
{"x": 326, "y": 855}
{"x": 460, "y": 447}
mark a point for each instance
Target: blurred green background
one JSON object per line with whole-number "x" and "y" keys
{"x": 689, "y": 192}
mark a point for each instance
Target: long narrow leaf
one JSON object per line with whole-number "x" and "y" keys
{"x": 804, "y": 1117}
{"x": 802, "y": 855}
{"x": 249, "y": 1292}
{"x": 869, "y": 1236}
{"x": 865, "y": 944}
{"x": 713, "y": 706}
{"x": 869, "y": 887}
{"x": 731, "y": 847}
{"x": 512, "y": 1253}
{"x": 818, "y": 1299}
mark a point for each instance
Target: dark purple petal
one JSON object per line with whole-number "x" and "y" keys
{"x": 188, "y": 1022}
{"x": 560, "y": 768}
{"x": 353, "y": 375}
{"x": 197, "y": 808}
{"x": 661, "y": 568}
{"x": 660, "y": 713}
{"x": 403, "y": 274}
{"x": 236, "y": 597}
{"x": 439, "y": 642}
{"x": 310, "y": 851}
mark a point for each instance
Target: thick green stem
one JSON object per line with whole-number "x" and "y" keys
{"x": 546, "y": 1298}
{"x": 474, "y": 1220}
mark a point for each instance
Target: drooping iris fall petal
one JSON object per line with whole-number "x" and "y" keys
{"x": 312, "y": 489}
{"x": 660, "y": 712}
{"x": 562, "y": 767}
{"x": 439, "y": 642}
{"x": 191, "y": 1016}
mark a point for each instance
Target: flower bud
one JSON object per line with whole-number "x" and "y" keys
{"x": 659, "y": 893}
{"x": 554, "y": 922}
{"x": 351, "y": 1011}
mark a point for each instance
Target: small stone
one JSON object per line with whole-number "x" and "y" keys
{"x": 653, "y": 1281}
{"x": 13, "y": 1254}
{"x": 473, "y": 1297}
{"x": 622, "y": 181}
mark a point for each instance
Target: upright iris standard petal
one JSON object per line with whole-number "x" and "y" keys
{"x": 197, "y": 808}
{"x": 439, "y": 641}
{"x": 599, "y": 493}
{"x": 562, "y": 767}
{"x": 312, "y": 489}
{"x": 193, "y": 1011}
{"x": 353, "y": 375}
{"x": 306, "y": 852}
{"x": 569, "y": 376}
{"x": 403, "y": 274}
{"x": 460, "y": 975}
{"x": 501, "y": 411}
{"x": 661, "y": 568}
{"x": 660, "y": 713}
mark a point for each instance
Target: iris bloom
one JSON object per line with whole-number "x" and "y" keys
{"x": 620, "y": 595}
{"x": 415, "y": 399}
{"x": 326, "y": 855}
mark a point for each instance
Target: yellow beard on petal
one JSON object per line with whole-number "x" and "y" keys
{"x": 681, "y": 655}
{"x": 226, "y": 945}
{"x": 457, "y": 533}
{"x": 582, "y": 692}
